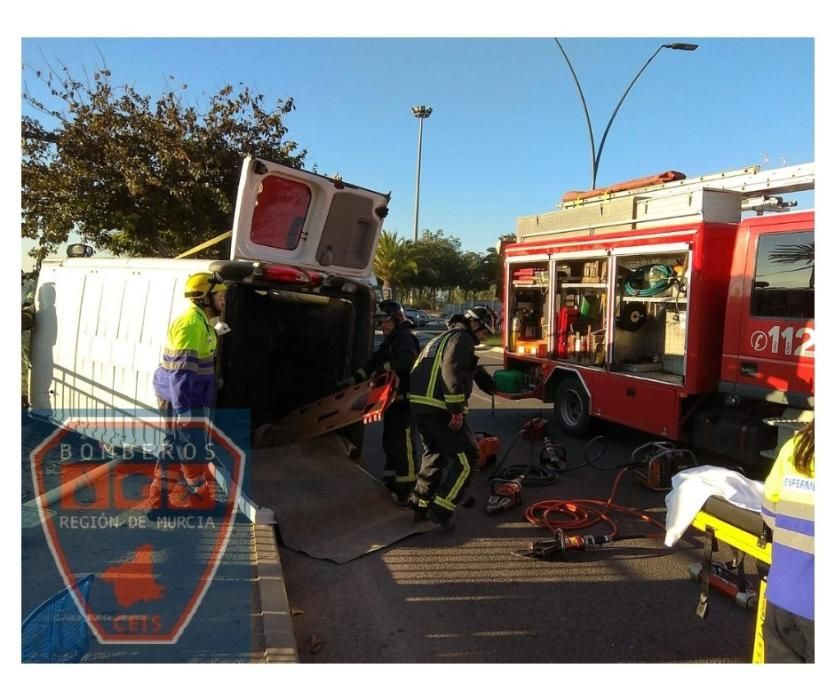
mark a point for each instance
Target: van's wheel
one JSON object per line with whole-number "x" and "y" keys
{"x": 571, "y": 407}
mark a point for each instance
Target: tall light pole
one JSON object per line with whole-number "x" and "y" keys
{"x": 421, "y": 112}
{"x": 595, "y": 154}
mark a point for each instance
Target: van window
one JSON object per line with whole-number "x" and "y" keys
{"x": 280, "y": 211}
{"x": 784, "y": 277}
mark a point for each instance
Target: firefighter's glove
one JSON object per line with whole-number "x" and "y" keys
{"x": 456, "y": 422}
{"x": 484, "y": 381}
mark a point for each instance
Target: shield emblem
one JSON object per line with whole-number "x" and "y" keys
{"x": 151, "y": 526}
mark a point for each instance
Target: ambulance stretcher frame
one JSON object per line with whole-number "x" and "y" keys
{"x": 744, "y": 531}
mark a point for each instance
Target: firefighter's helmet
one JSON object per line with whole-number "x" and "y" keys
{"x": 483, "y": 316}
{"x": 201, "y": 284}
{"x": 388, "y": 308}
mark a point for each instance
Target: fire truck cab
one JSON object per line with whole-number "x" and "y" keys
{"x": 656, "y": 306}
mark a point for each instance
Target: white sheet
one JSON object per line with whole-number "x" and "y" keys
{"x": 692, "y": 487}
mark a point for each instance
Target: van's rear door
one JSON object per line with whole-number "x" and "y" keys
{"x": 299, "y": 218}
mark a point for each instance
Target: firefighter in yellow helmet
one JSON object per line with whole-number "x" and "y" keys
{"x": 184, "y": 384}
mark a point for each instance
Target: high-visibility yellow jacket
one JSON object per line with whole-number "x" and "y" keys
{"x": 186, "y": 375}
{"x": 789, "y": 510}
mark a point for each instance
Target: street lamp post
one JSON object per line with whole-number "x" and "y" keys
{"x": 421, "y": 112}
{"x": 595, "y": 154}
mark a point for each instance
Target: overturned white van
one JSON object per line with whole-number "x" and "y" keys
{"x": 300, "y": 305}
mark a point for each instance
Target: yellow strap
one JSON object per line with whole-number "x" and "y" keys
{"x": 207, "y": 244}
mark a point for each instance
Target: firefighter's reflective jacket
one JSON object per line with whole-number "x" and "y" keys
{"x": 442, "y": 377}
{"x": 186, "y": 375}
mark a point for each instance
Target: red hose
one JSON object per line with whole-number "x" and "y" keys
{"x": 583, "y": 512}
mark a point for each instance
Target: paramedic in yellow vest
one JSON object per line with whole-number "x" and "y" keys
{"x": 440, "y": 386}
{"x": 184, "y": 384}
{"x": 789, "y": 510}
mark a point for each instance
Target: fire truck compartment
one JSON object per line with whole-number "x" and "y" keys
{"x": 649, "y": 406}
{"x": 560, "y": 309}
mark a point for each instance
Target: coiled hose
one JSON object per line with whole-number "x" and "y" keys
{"x": 633, "y": 284}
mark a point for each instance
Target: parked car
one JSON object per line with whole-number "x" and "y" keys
{"x": 417, "y": 317}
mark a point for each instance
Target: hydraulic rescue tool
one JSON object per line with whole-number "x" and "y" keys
{"x": 729, "y": 578}
{"x": 552, "y": 458}
{"x": 505, "y": 494}
{"x": 488, "y": 448}
{"x": 562, "y": 543}
{"x": 552, "y": 454}
{"x": 654, "y": 464}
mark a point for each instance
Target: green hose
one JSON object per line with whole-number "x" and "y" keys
{"x": 639, "y": 277}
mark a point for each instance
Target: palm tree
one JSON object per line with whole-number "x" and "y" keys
{"x": 393, "y": 260}
{"x": 794, "y": 254}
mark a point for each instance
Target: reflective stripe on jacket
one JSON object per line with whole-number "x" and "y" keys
{"x": 186, "y": 375}
{"x": 789, "y": 510}
{"x": 442, "y": 377}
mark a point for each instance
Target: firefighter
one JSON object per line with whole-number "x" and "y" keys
{"x": 441, "y": 383}
{"x": 184, "y": 385}
{"x": 398, "y": 351}
{"x": 789, "y": 510}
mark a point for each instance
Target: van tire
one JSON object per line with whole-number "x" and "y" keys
{"x": 571, "y": 407}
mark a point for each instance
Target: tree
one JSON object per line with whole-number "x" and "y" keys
{"x": 134, "y": 175}
{"x": 474, "y": 277}
{"x": 394, "y": 262}
{"x": 439, "y": 262}
{"x": 492, "y": 266}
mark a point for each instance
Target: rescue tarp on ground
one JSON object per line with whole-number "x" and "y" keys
{"x": 326, "y": 505}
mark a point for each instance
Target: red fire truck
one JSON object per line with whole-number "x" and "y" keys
{"x": 656, "y": 305}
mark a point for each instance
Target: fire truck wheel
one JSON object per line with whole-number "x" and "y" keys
{"x": 571, "y": 407}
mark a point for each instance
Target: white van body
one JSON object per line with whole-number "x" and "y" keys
{"x": 301, "y": 315}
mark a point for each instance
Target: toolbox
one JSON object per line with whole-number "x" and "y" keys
{"x": 508, "y": 381}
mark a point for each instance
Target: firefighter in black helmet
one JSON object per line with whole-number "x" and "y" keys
{"x": 397, "y": 352}
{"x": 441, "y": 383}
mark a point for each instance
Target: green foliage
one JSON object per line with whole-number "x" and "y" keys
{"x": 134, "y": 175}
{"x": 394, "y": 262}
{"x": 443, "y": 272}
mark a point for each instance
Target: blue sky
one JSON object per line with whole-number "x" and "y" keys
{"x": 507, "y": 136}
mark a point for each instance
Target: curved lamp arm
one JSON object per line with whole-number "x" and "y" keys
{"x": 585, "y": 109}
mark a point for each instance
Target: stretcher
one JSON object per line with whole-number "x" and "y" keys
{"x": 364, "y": 401}
{"x": 746, "y": 534}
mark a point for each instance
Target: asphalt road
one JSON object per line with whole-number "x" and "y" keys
{"x": 467, "y": 596}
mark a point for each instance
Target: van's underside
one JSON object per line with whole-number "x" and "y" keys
{"x": 288, "y": 348}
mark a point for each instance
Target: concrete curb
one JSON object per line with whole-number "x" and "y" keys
{"x": 276, "y": 620}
